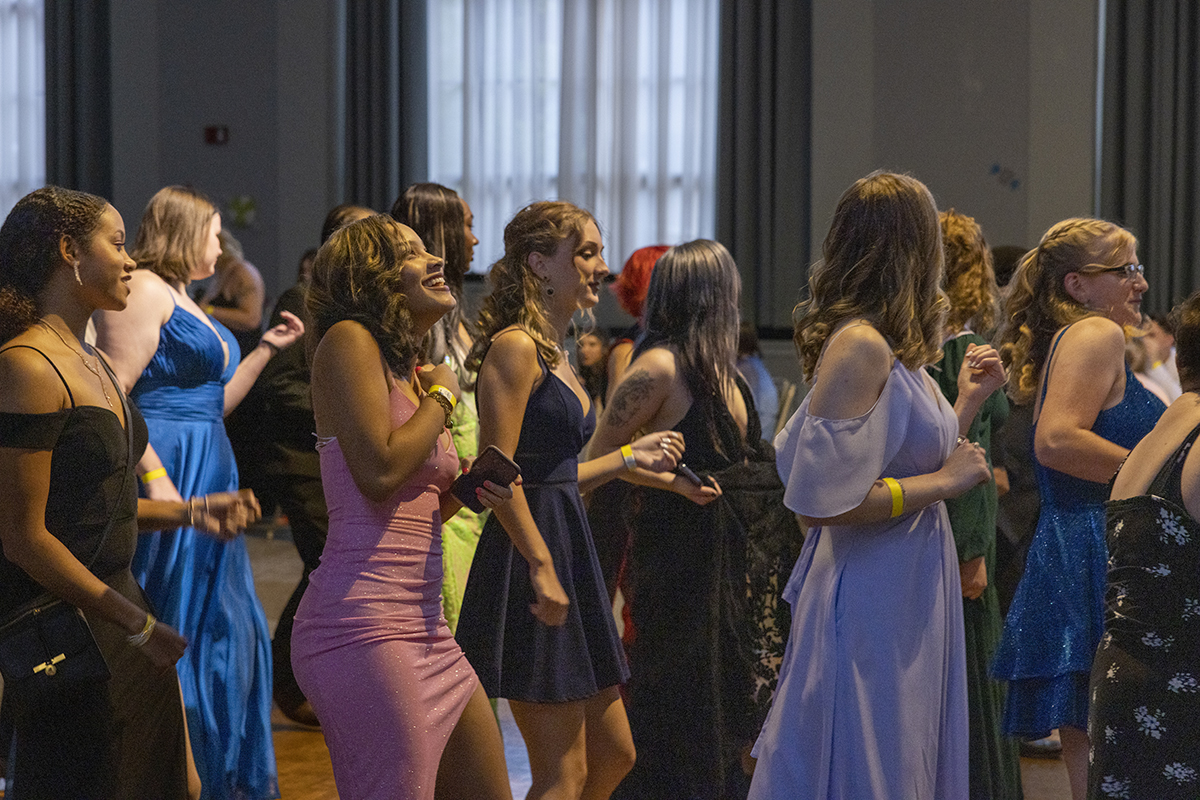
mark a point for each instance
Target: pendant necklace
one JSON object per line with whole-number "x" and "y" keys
{"x": 92, "y": 368}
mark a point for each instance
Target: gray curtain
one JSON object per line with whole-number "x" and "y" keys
{"x": 1149, "y": 180}
{"x": 763, "y": 151}
{"x": 78, "y": 96}
{"x": 384, "y": 138}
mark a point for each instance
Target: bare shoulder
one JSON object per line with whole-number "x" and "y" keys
{"x": 512, "y": 356}
{"x": 1094, "y": 334}
{"x": 858, "y": 350}
{"x": 347, "y": 346}
{"x": 29, "y": 383}
{"x": 147, "y": 293}
{"x": 659, "y": 363}
{"x": 852, "y": 373}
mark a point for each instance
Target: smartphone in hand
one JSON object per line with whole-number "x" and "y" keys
{"x": 686, "y": 471}
{"x": 491, "y": 465}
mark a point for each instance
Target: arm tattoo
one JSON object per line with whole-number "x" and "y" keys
{"x": 631, "y": 393}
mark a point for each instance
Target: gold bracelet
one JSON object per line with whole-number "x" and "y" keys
{"x": 139, "y": 639}
{"x": 627, "y": 455}
{"x": 154, "y": 474}
{"x": 437, "y": 388}
{"x": 897, "y": 490}
{"x": 441, "y": 400}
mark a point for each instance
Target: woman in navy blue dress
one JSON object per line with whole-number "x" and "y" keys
{"x": 1065, "y": 346}
{"x": 536, "y": 622}
{"x": 183, "y": 369}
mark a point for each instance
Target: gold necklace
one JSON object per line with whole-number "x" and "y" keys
{"x": 92, "y": 368}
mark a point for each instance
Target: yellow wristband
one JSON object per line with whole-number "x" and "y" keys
{"x": 897, "y": 495}
{"x": 154, "y": 474}
{"x": 627, "y": 455}
{"x": 437, "y": 388}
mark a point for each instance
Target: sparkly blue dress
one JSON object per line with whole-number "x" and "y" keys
{"x": 1057, "y": 615}
{"x": 200, "y": 585}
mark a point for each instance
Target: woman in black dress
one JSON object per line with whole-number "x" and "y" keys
{"x": 1144, "y": 720}
{"x": 536, "y": 623}
{"x": 704, "y": 581}
{"x": 65, "y": 472}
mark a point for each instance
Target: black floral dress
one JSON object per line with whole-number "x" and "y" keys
{"x": 1145, "y": 684}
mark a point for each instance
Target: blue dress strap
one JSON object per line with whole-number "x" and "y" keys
{"x": 1049, "y": 362}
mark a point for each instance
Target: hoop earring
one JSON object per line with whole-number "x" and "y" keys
{"x": 75, "y": 265}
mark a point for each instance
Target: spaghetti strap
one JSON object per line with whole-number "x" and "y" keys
{"x": 66, "y": 385}
{"x": 1049, "y": 363}
{"x": 1167, "y": 484}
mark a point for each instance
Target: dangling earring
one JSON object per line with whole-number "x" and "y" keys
{"x": 75, "y": 265}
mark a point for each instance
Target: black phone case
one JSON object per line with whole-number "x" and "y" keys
{"x": 491, "y": 465}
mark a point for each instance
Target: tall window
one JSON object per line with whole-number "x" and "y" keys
{"x": 610, "y": 104}
{"x": 22, "y": 101}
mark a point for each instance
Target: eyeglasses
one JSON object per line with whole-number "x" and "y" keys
{"x": 1128, "y": 272}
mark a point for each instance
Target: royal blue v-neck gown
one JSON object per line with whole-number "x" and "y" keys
{"x": 201, "y": 585}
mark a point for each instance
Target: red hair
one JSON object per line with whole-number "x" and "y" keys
{"x": 631, "y": 285}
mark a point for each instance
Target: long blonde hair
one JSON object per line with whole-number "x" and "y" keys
{"x": 882, "y": 259}
{"x": 517, "y": 293}
{"x": 1038, "y": 304}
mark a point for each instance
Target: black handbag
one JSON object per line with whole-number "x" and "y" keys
{"x": 48, "y": 643}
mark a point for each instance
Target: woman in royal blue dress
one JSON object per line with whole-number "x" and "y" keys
{"x": 1064, "y": 343}
{"x": 182, "y": 368}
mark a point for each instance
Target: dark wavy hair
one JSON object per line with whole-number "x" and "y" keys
{"x": 692, "y": 305}
{"x": 29, "y": 248}
{"x": 436, "y": 213}
{"x": 970, "y": 275}
{"x": 1038, "y": 303}
{"x": 356, "y": 276}
{"x": 516, "y": 296}
{"x": 882, "y": 260}
{"x": 172, "y": 235}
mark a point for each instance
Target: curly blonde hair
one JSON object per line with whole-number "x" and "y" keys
{"x": 516, "y": 297}
{"x": 1038, "y": 304}
{"x": 356, "y": 276}
{"x": 882, "y": 260}
{"x": 970, "y": 276}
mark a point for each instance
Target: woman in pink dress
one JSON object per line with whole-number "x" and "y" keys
{"x": 401, "y": 709}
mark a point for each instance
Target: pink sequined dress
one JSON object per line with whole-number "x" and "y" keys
{"x": 370, "y": 648}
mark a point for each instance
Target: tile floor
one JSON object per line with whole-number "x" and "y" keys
{"x": 304, "y": 769}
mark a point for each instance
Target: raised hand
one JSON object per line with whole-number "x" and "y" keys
{"x": 285, "y": 333}
{"x": 659, "y": 451}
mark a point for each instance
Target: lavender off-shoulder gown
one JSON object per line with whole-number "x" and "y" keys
{"x": 872, "y": 696}
{"x": 371, "y": 648}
